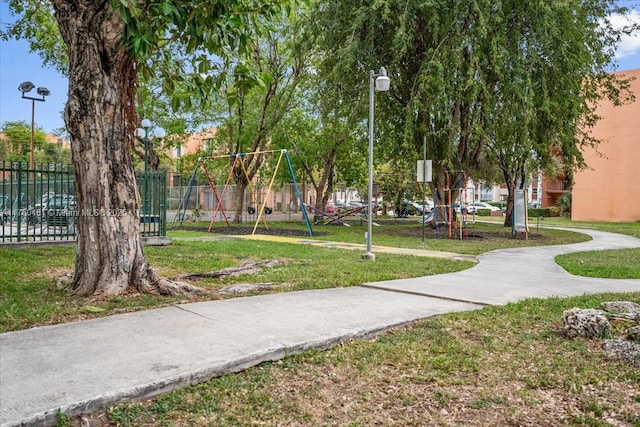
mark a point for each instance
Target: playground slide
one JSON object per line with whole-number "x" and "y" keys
{"x": 428, "y": 218}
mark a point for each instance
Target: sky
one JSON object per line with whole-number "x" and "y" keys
{"x": 17, "y": 65}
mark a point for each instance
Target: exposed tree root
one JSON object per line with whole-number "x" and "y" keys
{"x": 247, "y": 267}
{"x": 176, "y": 287}
{"x": 152, "y": 284}
{"x": 241, "y": 288}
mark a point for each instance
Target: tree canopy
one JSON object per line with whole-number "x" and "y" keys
{"x": 15, "y": 145}
{"x": 485, "y": 82}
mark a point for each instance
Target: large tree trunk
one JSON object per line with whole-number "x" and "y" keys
{"x": 100, "y": 118}
{"x": 240, "y": 188}
{"x": 513, "y": 180}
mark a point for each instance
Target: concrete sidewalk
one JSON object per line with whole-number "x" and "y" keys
{"x": 80, "y": 367}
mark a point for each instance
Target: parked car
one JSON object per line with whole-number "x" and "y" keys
{"x": 13, "y": 208}
{"x": 355, "y": 205}
{"x": 410, "y": 207}
{"x": 427, "y": 205}
{"x": 61, "y": 210}
{"x": 330, "y": 208}
{"x": 340, "y": 205}
{"x": 43, "y": 201}
{"x": 5, "y": 204}
{"x": 472, "y": 208}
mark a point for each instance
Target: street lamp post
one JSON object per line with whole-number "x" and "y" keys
{"x": 377, "y": 82}
{"x": 143, "y": 134}
{"x": 26, "y": 87}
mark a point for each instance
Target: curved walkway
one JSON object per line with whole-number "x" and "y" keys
{"x": 83, "y": 366}
{"x": 508, "y": 275}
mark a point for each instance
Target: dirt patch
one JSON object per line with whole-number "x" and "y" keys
{"x": 410, "y": 230}
{"x": 242, "y": 230}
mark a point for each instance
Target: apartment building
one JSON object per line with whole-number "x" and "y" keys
{"x": 609, "y": 189}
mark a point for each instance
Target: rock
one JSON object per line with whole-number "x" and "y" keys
{"x": 624, "y": 309}
{"x": 587, "y": 323}
{"x": 592, "y": 323}
{"x": 622, "y": 350}
{"x": 633, "y": 333}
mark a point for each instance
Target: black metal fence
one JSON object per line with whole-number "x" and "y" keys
{"x": 39, "y": 204}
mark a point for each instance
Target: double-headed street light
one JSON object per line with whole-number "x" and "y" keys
{"x": 26, "y": 87}
{"x": 144, "y": 133}
{"x": 377, "y": 82}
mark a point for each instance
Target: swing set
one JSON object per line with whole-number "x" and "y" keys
{"x": 236, "y": 161}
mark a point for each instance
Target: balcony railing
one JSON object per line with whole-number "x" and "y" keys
{"x": 557, "y": 187}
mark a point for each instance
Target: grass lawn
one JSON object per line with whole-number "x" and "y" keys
{"x": 30, "y": 295}
{"x": 497, "y": 366}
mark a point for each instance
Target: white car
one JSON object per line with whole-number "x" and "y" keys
{"x": 472, "y": 208}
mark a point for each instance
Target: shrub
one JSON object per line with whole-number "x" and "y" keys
{"x": 564, "y": 204}
{"x": 483, "y": 212}
{"x": 536, "y": 212}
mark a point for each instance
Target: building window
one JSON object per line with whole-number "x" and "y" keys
{"x": 177, "y": 152}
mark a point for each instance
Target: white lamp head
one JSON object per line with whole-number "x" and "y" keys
{"x": 159, "y": 133}
{"x": 145, "y": 123}
{"x": 382, "y": 81}
{"x": 141, "y": 133}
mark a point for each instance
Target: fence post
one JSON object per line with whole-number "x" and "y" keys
{"x": 18, "y": 209}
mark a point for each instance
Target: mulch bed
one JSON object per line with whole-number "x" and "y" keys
{"x": 411, "y": 230}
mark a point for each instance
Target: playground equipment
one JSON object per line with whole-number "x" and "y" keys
{"x": 258, "y": 207}
{"x": 455, "y": 215}
{"x": 338, "y": 216}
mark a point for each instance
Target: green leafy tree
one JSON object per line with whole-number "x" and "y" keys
{"x": 107, "y": 45}
{"x": 426, "y": 48}
{"x": 16, "y": 143}
{"x": 53, "y": 153}
{"x": 325, "y": 150}
{"x": 252, "y": 113}
{"x": 550, "y": 71}
{"x": 180, "y": 119}
{"x": 470, "y": 73}
{"x": 326, "y": 135}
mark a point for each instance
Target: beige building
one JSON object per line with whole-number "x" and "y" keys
{"x": 609, "y": 189}
{"x": 195, "y": 142}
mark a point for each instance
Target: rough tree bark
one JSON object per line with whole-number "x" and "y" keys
{"x": 241, "y": 187}
{"x": 100, "y": 118}
{"x": 324, "y": 186}
{"x": 243, "y": 175}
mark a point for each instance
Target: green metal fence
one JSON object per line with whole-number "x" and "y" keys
{"x": 39, "y": 204}
{"x": 152, "y": 186}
